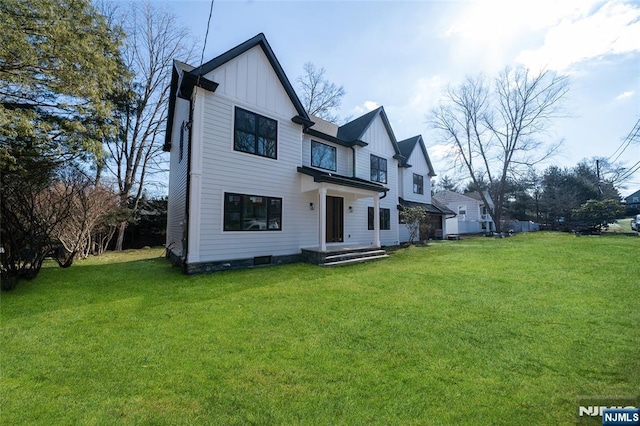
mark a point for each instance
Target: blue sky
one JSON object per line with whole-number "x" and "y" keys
{"x": 402, "y": 55}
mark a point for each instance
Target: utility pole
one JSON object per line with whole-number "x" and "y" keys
{"x": 599, "y": 181}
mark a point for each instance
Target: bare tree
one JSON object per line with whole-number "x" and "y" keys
{"x": 320, "y": 97}
{"x": 495, "y": 129}
{"x": 89, "y": 209}
{"x": 153, "y": 38}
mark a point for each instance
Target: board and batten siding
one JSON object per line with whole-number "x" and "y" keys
{"x": 419, "y": 166}
{"x": 249, "y": 82}
{"x": 379, "y": 144}
{"x": 176, "y": 205}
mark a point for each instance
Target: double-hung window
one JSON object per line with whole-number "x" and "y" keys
{"x": 323, "y": 156}
{"x": 255, "y": 134}
{"x": 418, "y": 184}
{"x": 385, "y": 219}
{"x": 378, "y": 169}
{"x": 252, "y": 213}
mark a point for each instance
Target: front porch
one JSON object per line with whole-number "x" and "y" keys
{"x": 342, "y": 255}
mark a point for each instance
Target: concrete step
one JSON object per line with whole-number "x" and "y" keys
{"x": 353, "y": 254}
{"x": 354, "y": 260}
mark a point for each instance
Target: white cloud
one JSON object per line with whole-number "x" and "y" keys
{"x": 625, "y": 95}
{"x": 367, "y": 106}
{"x": 614, "y": 28}
{"x": 371, "y": 105}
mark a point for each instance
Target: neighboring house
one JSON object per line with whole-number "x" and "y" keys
{"x": 472, "y": 216}
{"x": 633, "y": 201}
{"x": 255, "y": 180}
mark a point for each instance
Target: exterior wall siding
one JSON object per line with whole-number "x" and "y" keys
{"x": 250, "y": 83}
{"x": 176, "y": 206}
{"x": 418, "y": 166}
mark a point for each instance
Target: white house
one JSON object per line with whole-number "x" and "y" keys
{"x": 255, "y": 180}
{"x": 472, "y": 216}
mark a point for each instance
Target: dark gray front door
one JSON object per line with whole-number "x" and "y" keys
{"x": 335, "y": 219}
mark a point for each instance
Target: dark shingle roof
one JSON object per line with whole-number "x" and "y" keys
{"x": 355, "y": 129}
{"x": 433, "y": 208}
{"x": 407, "y": 146}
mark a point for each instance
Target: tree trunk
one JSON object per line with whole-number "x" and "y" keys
{"x": 120, "y": 240}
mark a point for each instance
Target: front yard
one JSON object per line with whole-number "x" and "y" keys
{"x": 478, "y": 331}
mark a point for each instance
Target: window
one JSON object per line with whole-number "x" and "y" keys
{"x": 462, "y": 211}
{"x": 378, "y": 169}
{"x": 255, "y": 134}
{"x": 252, "y": 213}
{"x": 323, "y": 156}
{"x": 418, "y": 184}
{"x": 385, "y": 219}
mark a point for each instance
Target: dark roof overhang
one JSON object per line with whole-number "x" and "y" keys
{"x": 320, "y": 176}
{"x": 298, "y": 119}
{"x": 334, "y": 139}
{"x": 429, "y": 208}
{"x": 182, "y": 83}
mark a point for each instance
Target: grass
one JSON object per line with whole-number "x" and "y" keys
{"x": 478, "y": 331}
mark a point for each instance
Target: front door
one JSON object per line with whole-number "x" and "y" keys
{"x": 335, "y": 219}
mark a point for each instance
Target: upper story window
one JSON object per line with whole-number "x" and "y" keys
{"x": 255, "y": 134}
{"x": 378, "y": 169}
{"x": 323, "y": 156}
{"x": 418, "y": 184}
{"x": 462, "y": 211}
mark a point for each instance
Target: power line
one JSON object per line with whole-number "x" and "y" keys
{"x": 626, "y": 142}
{"x": 204, "y": 45}
{"x": 630, "y": 172}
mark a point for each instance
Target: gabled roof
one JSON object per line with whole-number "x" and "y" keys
{"x": 261, "y": 41}
{"x": 406, "y": 148}
{"x": 448, "y": 197}
{"x": 355, "y": 129}
{"x": 184, "y": 77}
{"x": 635, "y": 194}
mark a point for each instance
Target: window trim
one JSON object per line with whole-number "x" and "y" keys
{"x": 268, "y": 213}
{"x": 335, "y": 155}
{"x": 371, "y": 215}
{"x": 420, "y": 184}
{"x": 256, "y": 133}
{"x": 378, "y": 161}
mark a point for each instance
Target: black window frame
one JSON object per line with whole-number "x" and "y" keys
{"x": 256, "y": 132}
{"x": 315, "y": 143}
{"x": 418, "y": 184}
{"x": 385, "y": 219}
{"x": 273, "y": 213}
{"x": 376, "y": 169}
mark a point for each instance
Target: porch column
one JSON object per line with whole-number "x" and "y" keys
{"x": 322, "y": 219}
{"x": 376, "y": 220}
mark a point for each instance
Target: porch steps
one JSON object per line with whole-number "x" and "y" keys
{"x": 352, "y": 257}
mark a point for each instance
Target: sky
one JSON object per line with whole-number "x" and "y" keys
{"x": 403, "y": 55}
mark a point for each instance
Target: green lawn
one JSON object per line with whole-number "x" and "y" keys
{"x": 478, "y": 331}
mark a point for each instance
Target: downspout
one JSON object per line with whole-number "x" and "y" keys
{"x": 353, "y": 162}
{"x": 185, "y": 239}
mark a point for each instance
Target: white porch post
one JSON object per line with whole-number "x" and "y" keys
{"x": 376, "y": 220}
{"x": 322, "y": 219}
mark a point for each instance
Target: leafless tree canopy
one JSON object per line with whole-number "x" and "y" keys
{"x": 495, "y": 128}
{"x": 320, "y": 97}
{"x": 153, "y": 39}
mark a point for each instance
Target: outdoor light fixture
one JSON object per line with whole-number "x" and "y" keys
{"x": 350, "y": 209}
{"x": 312, "y": 206}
